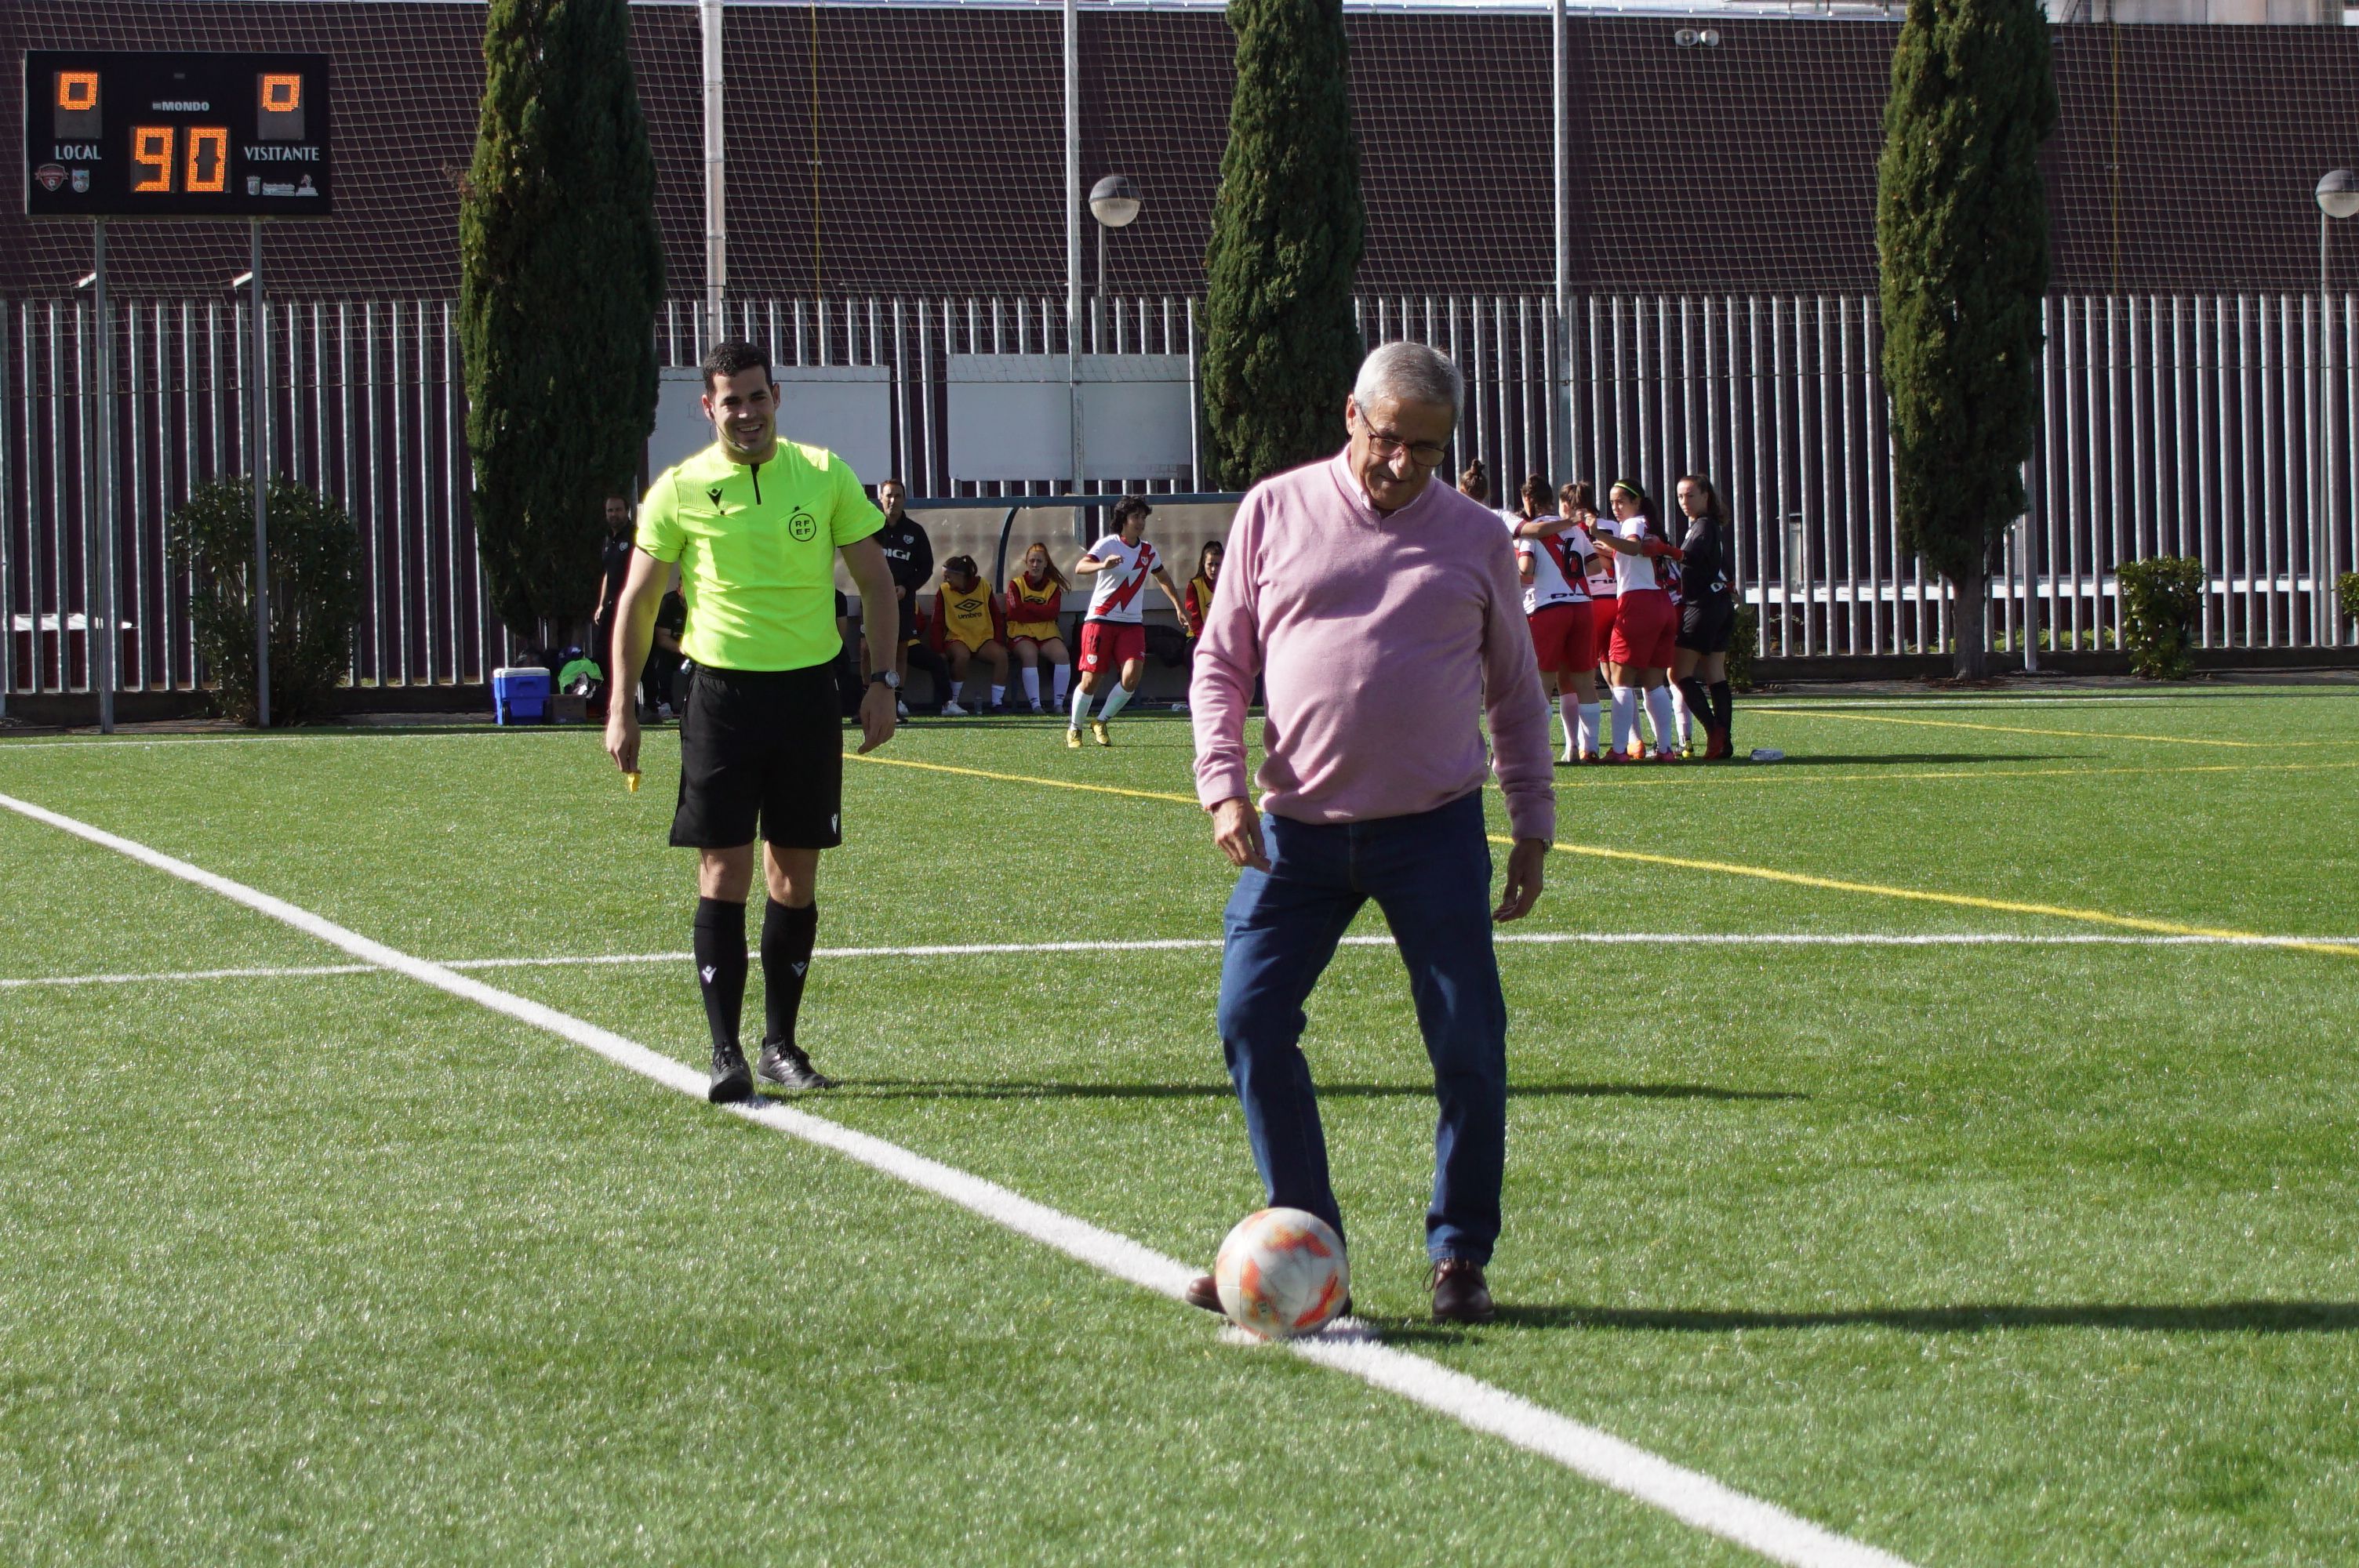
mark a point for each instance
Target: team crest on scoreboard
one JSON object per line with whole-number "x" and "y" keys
{"x": 81, "y": 180}
{"x": 50, "y": 176}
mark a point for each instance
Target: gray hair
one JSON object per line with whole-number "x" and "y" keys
{"x": 1409, "y": 373}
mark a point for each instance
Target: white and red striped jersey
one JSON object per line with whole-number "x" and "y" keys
{"x": 1633, "y": 573}
{"x": 1114, "y": 593}
{"x": 1603, "y": 584}
{"x": 1558, "y": 576}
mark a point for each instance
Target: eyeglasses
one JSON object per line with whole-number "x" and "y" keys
{"x": 1424, "y": 454}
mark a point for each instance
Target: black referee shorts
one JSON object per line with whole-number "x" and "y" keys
{"x": 761, "y": 747}
{"x": 1706, "y": 623}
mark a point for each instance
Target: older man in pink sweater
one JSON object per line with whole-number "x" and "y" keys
{"x": 1384, "y": 615}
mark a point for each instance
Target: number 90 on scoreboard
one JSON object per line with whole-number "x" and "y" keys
{"x": 120, "y": 134}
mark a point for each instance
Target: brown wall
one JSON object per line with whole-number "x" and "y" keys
{"x": 2185, "y": 161}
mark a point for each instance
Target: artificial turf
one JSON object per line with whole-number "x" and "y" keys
{"x": 1982, "y": 1254}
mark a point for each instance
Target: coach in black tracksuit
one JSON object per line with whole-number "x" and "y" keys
{"x": 911, "y": 556}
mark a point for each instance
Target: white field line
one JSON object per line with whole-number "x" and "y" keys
{"x": 482, "y": 731}
{"x": 1687, "y": 1494}
{"x": 1208, "y": 943}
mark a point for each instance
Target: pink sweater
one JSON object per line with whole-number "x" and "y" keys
{"x": 1380, "y": 641}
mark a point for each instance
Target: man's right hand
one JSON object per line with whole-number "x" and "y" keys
{"x": 1237, "y": 830}
{"x": 623, "y": 733}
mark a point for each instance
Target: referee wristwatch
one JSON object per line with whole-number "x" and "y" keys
{"x": 890, "y": 679}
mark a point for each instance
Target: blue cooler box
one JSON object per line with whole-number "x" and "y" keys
{"x": 520, "y": 696}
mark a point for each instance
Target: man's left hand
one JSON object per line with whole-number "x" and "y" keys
{"x": 875, "y": 716}
{"x": 1525, "y": 864}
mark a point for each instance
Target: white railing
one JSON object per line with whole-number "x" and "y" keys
{"x": 2215, "y": 425}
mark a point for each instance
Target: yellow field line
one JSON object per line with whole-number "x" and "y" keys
{"x": 1724, "y": 868}
{"x": 1921, "y": 896}
{"x": 1806, "y": 775}
{"x": 2024, "y": 729}
{"x": 1021, "y": 778}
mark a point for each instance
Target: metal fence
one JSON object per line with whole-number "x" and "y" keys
{"x": 2215, "y": 425}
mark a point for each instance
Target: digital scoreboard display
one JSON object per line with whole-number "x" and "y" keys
{"x": 112, "y": 134}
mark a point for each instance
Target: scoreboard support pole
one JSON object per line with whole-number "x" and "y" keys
{"x": 260, "y": 393}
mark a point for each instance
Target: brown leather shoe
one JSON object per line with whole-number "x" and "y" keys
{"x": 1459, "y": 1293}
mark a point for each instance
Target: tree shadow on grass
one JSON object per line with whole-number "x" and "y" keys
{"x": 2209, "y": 1317}
{"x": 966, "y": 1088}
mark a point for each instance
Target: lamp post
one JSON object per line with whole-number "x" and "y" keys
{"x": 2338, "y": 197}
{"x": 1113, "y": 203}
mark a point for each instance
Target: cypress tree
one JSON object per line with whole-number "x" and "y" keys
{"x": 1962, "y": 229}
{"x": 560, "y": 274}
{"x": 1281, "y": 348}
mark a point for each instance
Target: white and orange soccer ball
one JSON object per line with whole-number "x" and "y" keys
{"x": 1281, "y": 1272}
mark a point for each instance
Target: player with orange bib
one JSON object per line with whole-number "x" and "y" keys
{"x": 1113, "y": 634}
{"x": 1035, "y": 597}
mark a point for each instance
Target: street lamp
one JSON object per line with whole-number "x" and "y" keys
{"x": 2338, "y": 197}
{"x": 1113, "y": 203}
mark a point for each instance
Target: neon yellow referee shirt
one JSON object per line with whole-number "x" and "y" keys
{"x": 757, "y": 545}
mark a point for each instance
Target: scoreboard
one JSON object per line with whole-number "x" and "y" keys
{"x": 119, "y": 135}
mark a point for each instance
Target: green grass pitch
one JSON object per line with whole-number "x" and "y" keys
{"x": 1982, "y": 1254}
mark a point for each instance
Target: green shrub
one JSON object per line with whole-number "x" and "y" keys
{"x": 2346, "y": 594}
{"x": 1743, "y": 637}
{"x": 315, "y": 600}
{"x": 2161, "y": 601}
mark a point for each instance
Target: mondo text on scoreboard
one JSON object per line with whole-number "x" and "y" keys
{"x": 120, "y": 134}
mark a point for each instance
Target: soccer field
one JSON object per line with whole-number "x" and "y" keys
{"x": 1909, "y": 1136}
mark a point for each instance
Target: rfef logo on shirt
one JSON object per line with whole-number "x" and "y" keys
{"x": 803, "y": 527}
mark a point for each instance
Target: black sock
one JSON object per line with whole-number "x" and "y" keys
{"x": 787, "y": 937}
{"x": 1722, "y": 706}
{"x": 1698, "y": 703}
{"x": 719, "y": 939}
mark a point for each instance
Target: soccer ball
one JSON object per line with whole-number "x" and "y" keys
{"x": 1281, "y": 1272}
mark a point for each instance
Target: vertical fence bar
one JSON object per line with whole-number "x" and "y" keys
{"x": 2273, "y": 421}
{"x": 1850, "y": 484}
{"x": 2235, "y": 477}
{"x": 7, "y": 524}
{"x": 1785, "y": 532}
{"x": 167, "y": 402}
{"x": 1761, "y": 502}
{"x": 2303, "y": 549}
{"x": 1505, "y": 426}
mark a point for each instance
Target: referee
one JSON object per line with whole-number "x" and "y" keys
{"x": 755, "y": 524}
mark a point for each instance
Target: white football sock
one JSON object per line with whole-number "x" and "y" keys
{"x": 1570, "y": 710}
{"x": 1659, "y": 709}
{"x": 1625, "y": 719}
{"x": 1115, "y": 703}
{"x": 999, "y": 693}
{"x": 1058, "y": 678}
{"x": 1081, "y": 707}
{"x": 1031, "y": 684}
{"x": 1590, "y": 717}
{"x": 1682, "y": 718}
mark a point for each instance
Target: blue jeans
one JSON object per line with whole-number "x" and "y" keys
{"x": 1431, "y": 874}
